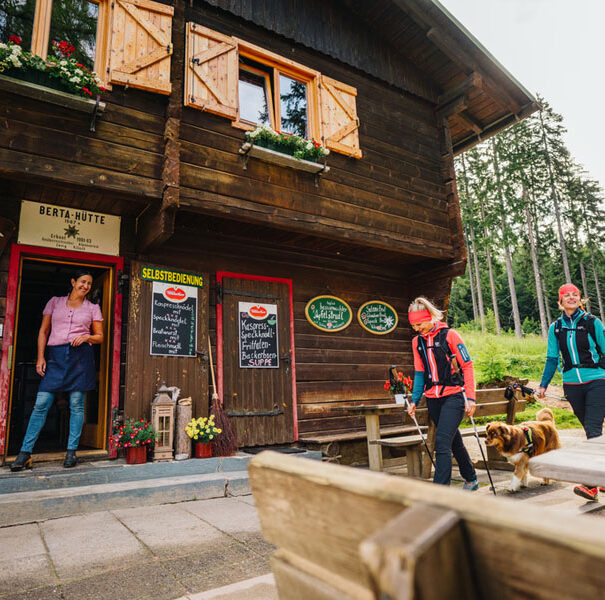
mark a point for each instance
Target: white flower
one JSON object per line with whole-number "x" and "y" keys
{"x": 63, "y": 63}
{"x": 3, "y": 46}
{"x": 326, "y": 152}
{"x": 74, "y": 79}
{"x": 15, "y": 61}
{"x": 309, "y": 146}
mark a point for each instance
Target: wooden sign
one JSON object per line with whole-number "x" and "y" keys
{"x": 173, "y": 320}
{"x": 169, "y": 276}
{"x": 377, "y": 317}
{"x": 68, "y": 228}
{"x": 258, "y": 348}
{"x": 328, "y": 313}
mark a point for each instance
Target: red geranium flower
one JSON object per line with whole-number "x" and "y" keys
{"x": 15, "y": 39}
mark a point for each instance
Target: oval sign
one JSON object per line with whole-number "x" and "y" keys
{"x": 175, "y": 294}
{"x": 377, "y": 317}
{"x": 257, "y": 312}
{"x": 328, "y": 313}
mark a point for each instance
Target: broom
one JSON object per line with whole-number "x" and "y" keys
{"x": 226, "y": 443}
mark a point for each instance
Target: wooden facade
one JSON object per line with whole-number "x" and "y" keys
{"x": 382, "y": 224}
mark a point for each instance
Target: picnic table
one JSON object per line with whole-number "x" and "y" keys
{"x": 581, "y": 462}
{"x": 372, "y": 413}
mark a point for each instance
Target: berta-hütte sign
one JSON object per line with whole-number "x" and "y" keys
{"x": 68, "y": 228}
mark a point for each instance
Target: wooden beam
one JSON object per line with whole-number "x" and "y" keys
{"x": 154, "y": 227}
{"x": 474, "y": 80}
{"x": 452, "y": 108}
{"x": 468, "y": 120}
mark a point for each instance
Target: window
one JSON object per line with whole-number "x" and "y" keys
{"x": 251, "y": 86}
{"x": 275, "y": 92}
{"x": 17, "y": 18}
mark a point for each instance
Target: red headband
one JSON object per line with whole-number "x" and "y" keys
{"x": 568, "y": 287}
{"x": 419, "y": 316}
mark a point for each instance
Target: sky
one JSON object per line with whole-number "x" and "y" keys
{"x": 555, "y": 48}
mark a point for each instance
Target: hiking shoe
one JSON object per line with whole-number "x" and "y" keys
{"x": 471, "y": 486}
{"x": 71, "y": 460}
{"x": 590, "y": 493}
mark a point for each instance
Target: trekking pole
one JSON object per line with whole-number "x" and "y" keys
{"x": 529, "y": 392}
{"x": 493, "y": 488}
{"x": 393, "y": 379}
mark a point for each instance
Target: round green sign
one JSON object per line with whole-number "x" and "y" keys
{"x": 328, "y": 313}
{"x": 377, "y": 317}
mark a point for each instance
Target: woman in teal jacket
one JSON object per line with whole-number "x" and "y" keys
{"x": 579, "y": 338}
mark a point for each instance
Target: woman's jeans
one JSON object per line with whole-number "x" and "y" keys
{"x": 447, "y": 413}
{"x": 37, "y": 419}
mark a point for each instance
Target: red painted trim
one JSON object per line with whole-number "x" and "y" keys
{"x": 17, "y": 251}
{"x": 220, "y": 275}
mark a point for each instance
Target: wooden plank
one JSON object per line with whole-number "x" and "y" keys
{"x": 356, "y": 435}
{"x": 583, "y": 463}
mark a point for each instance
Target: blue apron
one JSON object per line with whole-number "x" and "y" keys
{"x": 69, "y": 369}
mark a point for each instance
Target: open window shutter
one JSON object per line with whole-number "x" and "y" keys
{"x": 141, "y": 45}
{"x": 211, "y": 73}
{"x": 339, "y": 122}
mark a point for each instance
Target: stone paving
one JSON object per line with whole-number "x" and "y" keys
{"x": 153, "y": 552}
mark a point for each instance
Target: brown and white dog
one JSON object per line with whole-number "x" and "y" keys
{"x": 518, "y": 443}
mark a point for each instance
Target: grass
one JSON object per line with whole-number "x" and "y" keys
{"x": 495, "y": 356}
{"x": 564, "y": 419}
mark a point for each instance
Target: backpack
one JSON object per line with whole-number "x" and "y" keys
{"x": 584, "y": 328}
{"x": 443, "y": 358}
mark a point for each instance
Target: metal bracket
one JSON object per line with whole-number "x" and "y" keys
{"x": 122, "y": 280}
{"x": 93, "y": 116}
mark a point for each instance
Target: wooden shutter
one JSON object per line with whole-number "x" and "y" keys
{"x": 211, "y": 73}
{"x": 141, "y": 45}
{"x": 339, "y": 122}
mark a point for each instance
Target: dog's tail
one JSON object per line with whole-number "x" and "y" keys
{"x": 545, "y": 414}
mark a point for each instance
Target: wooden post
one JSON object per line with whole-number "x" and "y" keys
{"x": 183, "y": 442}
{"x": 374, "y": 450}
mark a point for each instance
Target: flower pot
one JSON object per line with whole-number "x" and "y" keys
{"x": 203, "y": 450}
{"x": 136, "y": 455}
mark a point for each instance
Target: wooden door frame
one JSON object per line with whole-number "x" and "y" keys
{"x": 17, "y": 252}
{"x": 220, "y": 275}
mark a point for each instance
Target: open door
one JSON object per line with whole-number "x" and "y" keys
{"x": 256, "y": 358}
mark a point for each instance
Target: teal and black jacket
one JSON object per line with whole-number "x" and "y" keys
{"x": 580, "y": 340}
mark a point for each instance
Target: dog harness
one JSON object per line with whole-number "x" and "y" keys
{"x": 529, "y": 444}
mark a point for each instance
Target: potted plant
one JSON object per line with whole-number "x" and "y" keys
{"x": 60, "y": 72}
{"x": 202, "y": 431}
{"x": 286, "y": 143}
{"x": 136, "y": 437}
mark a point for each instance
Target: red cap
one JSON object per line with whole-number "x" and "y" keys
{"x": 419, "y": 316}
{"x": 568, "y": 287}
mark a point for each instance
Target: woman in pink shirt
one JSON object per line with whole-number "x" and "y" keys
{"x": 69, "y": 366}
{"x": 435, "y": 349}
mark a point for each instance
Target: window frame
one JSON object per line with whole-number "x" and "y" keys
{"x": 41, "y": 35}
{"x": 269, "y": 95}
{"x": 291, "y": 69}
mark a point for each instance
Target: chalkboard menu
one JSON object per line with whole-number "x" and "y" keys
{"x": 377, "y": 317}
{"x": 258, "y": 347}
{"x": 328, "y": 313}
{"x": 173, "y": 320}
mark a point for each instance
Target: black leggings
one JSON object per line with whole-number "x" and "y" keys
{"x": 447, "y": 413}
{"x": 588, "y": 403}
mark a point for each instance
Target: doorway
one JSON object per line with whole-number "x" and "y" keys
{"x": 256, "y": 366}
{"x": 39, "y": 279}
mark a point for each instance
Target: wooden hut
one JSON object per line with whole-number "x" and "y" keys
{"x": 192, "y": 235}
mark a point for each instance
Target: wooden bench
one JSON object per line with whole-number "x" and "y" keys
{"x": 346, "y": 534}
{"x": 490, "y": 402}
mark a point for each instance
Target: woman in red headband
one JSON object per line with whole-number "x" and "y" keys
{"x": 437, "y": 376}
{"x": 578, "y": 337}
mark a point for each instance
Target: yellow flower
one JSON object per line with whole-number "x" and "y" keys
{"x": 211, "y": 436}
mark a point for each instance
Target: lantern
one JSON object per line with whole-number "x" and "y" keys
{"x": 162, "y": 417}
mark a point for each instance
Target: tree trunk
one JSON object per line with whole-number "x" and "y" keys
{"x": 490, "y": 270}
{"x": 534, "y": 260}
{"x": 596, "y": 282}
{"x": 555, "y": 199}
{"x": 507, "y": 256}
{"x": 584, "y": 285}
{"x": 471, "y": 278}
{"x": 479, "y": 292}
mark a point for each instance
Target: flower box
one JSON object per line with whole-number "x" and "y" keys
{"x": 279, "y": 158}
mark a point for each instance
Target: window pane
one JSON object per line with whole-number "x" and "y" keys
{"x": 293, "y": 106}
{"x": 75, "y": 22}
{"x": 17, "y": 18}
{"x": 253, "y": 98}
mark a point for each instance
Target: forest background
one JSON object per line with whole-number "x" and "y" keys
{"x": 533, "y": 219}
